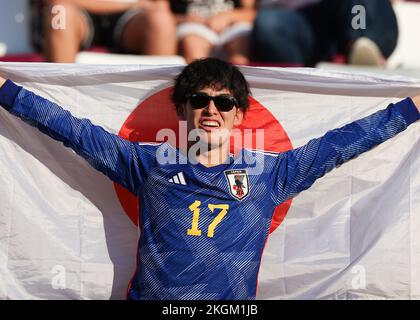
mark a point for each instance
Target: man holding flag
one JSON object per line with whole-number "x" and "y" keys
{"x": 200, "y": 240}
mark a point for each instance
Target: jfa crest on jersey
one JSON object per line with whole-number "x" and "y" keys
{"x": 238, "y": 183}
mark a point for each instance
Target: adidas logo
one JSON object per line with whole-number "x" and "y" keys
{"x": 178, "y": 179}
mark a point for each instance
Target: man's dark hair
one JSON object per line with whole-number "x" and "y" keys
{"x": 214, "y": 73}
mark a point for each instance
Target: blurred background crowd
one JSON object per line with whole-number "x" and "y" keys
{"x": 245, "y": 32}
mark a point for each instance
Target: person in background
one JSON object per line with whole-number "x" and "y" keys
{"x": 219, "y": 28}
{"x": 305, "y": 32}
{"x": 136, "y": 27}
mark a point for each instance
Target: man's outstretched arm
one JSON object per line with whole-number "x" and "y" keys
{"x": 122, "y": 161}
{"x": 297, "y": 169}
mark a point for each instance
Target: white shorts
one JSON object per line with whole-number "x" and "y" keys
{"x": 240, "y": 29}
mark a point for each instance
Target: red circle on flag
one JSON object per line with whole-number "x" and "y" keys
{"x": 157, "y": 112}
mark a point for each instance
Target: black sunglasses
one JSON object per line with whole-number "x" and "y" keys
{"x": 223, "y": 102}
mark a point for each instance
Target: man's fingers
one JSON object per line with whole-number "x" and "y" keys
{"x": 416, "y": 101}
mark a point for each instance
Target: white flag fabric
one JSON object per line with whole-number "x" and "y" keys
{"x": 64, "y": 228}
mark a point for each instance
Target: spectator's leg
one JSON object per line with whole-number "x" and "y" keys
{"x": 236, "y": 42}
{"x": 239, "y": 50}
{"x": 381, "y": 24}
{"x": 194, "y": 47}
{"x": 281, "y": 36}
{"x": 152, "y": 31}
{"x": 64, "y": 35}
{"x": 321, "y": 18}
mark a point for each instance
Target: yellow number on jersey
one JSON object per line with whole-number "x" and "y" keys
{"x": 224, "y": 209}
{"x": 195, "y": 208}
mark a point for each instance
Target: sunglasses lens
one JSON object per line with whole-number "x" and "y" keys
{"x": 224, "y": 103}
{"x": 199, "y": 101}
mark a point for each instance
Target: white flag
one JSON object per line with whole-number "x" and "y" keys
{"x": 67, "y": 232}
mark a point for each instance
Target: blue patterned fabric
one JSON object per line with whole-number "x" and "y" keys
{"x": 203, "y": 229}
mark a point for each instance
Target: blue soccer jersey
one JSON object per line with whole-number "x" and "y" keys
{"x": 203, "y": 229}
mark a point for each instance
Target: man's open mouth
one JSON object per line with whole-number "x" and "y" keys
{"x": 209, "y": 123}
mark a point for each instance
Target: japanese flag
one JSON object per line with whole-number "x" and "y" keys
{"x": 67, "y": 232}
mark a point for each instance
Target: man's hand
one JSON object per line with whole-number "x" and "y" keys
{"x": 416, "y": 101}
{"x": 2, "y": 81}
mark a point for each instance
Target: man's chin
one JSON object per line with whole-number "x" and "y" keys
{"x": 216, "y": 138}
{"x": 211, "y": 139}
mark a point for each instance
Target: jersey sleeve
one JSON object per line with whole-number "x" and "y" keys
{"x": 297, "y": 169}
{"x": 124, "y": 162}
